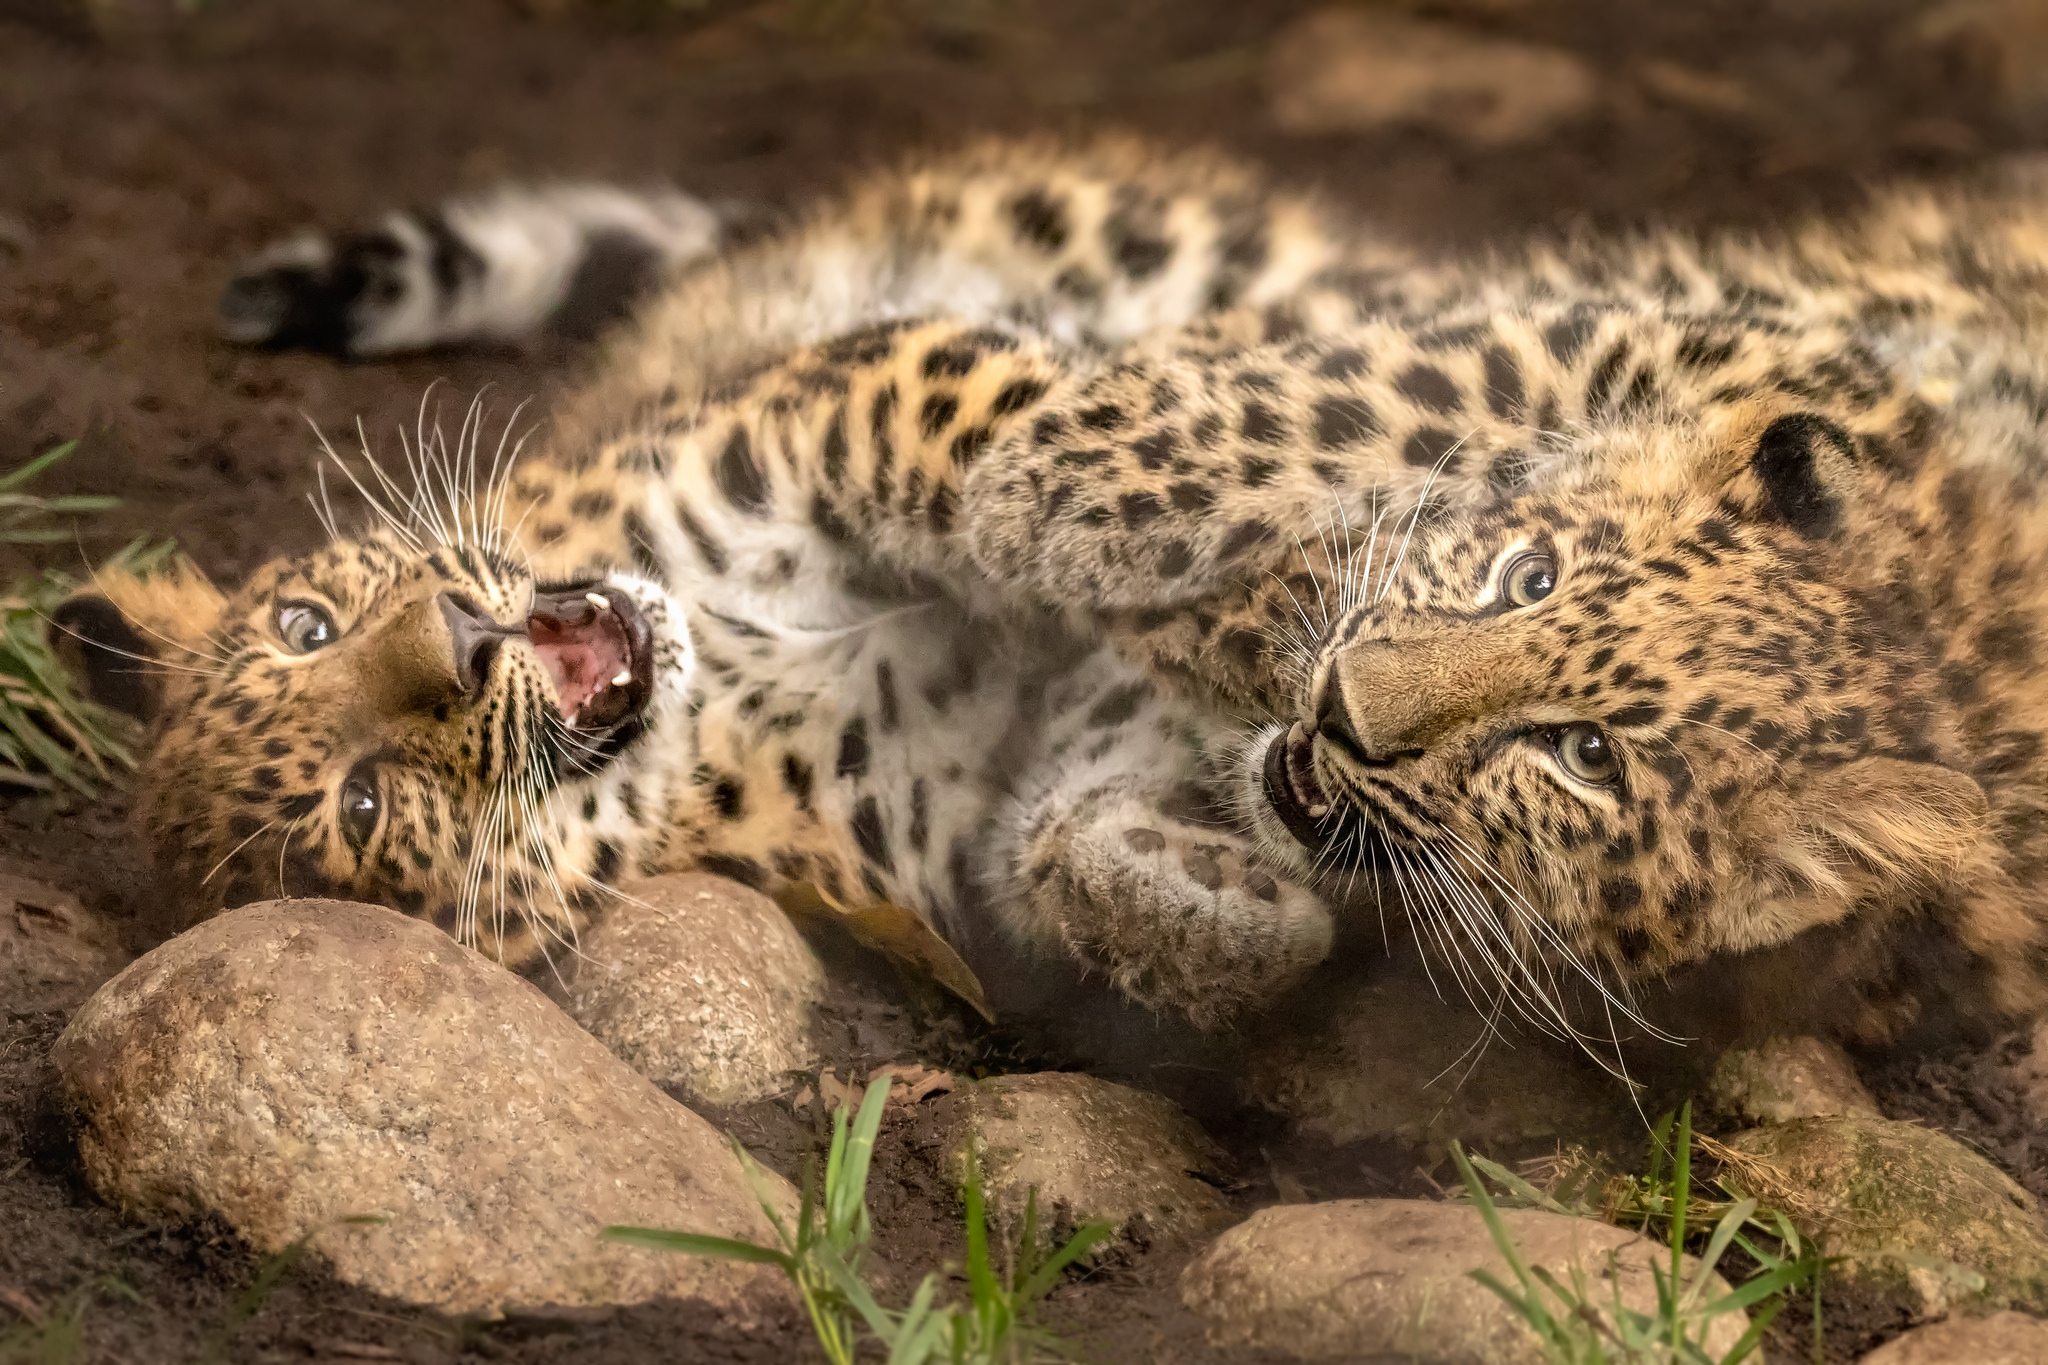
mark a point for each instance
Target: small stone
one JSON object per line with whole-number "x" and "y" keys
{"x": 1093, "y": 1150}
{"x": 298, "y": 1067}
{"x": 2002, "y": 1339}
{"x": 703, "y": 986}
{"x": 1348, "y": 69}
{"x": 1397, "y": 1061}
{"x": 2003, "y": 43}
{"x": 1391, "y": 1278}
{"x": 1782, "y": 1079}
{"x": 53, "y": 951}
{"x": 1923, "y": 1224}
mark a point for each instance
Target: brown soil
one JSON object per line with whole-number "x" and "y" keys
{"x": 134, "y": 170}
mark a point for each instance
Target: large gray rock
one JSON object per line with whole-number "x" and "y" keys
{"x": 294, "y": 1065}
{"x": 53, "y": 951}
{"x": 1396, "y": 1061}
{"x": 1365, "y": 1278}
{"x": 1091, "y": 1148}
{"x": 2002, "y": 1339}
{"x": 1781, "y": 1079}
{"x": 703, "y": 986}
{"x": 1923, "y": 1224}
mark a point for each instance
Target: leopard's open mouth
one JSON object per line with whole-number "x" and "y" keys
{"x": 599, "y": 653}
{"x": 1293, "y": 790}
{"x": 1333, "y": 831}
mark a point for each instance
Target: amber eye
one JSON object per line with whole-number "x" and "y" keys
{"x": 1587, "y": 755}
{"x": 359, "y": 807}
{"x": 1530, "y": 579}
{"x": 305, "y": 627}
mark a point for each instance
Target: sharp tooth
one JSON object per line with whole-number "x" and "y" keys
{"x": 1318, "y": 812}
{"x": 625, "y": 676}
{"x": 572, "y": 717}
{"x": 598, "y": 600}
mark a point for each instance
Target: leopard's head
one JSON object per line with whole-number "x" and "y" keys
{"x": 402, "y": 719}
{"x": 1626, "y": 723}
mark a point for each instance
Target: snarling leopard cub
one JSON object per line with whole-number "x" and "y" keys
{"x": 1099, "y": 544}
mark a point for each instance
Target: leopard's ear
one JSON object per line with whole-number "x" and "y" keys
{"x": 1886, "y": 824}
{"x": 117, "y": 633}
{"x": 1801, "y": 464}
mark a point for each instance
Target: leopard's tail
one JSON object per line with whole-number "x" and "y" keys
{"x": 500, "y": 266}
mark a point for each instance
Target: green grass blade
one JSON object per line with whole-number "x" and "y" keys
{"x": 14, "y": 480}
{"x": 1085, "y": 1239}
{"x": 698, "y": 1244}
{"x": 1516, "y": 1185}
{"x": 981, "y": 1278}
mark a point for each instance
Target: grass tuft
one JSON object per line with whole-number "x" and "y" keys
{"x": 825, "y": 1253}
{"x": 1578, "y": 1325}
{"x": 51, "y": 735}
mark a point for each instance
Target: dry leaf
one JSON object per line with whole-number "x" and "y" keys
{"x": 897, "y": 933}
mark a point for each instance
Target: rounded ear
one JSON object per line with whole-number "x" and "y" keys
{"x": 111, "y": 633}
{"x": 1800, "y": 464}
{"x": 1901, "y": 823}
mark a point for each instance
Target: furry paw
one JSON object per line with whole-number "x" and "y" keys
{"x": 1178, "y": 916}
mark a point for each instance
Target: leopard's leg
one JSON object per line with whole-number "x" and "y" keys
{"x": 494, "y": 267}
{"x": 1118, "y": 852}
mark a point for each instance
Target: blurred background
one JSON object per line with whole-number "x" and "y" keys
{"x": 146, "y": 144}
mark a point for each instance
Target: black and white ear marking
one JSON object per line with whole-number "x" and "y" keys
{"x": 1792, "y": 462}
{"x": 106, "y": 657}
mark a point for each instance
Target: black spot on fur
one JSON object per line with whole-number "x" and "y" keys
{"x": 1504, "y": 395}
{"x": 1040, "y": 219}
{"x": 938, "y": 412}
{"x": 709, "y": 550}
{"x": 1262, "y": 424}
{"x": 743, "y": 482}
{"x": 1429, "y": 387}
{"x": 869, "y": 833}
{"x": 1344, "y": 421}
{"x": 1017, "y": 394}
{"x": 1426, "y": 447}
{"x": 743, "y": 870}
{"x": 853, "y": 748}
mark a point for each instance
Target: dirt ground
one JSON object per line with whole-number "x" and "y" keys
{"x": 134, "y": 169}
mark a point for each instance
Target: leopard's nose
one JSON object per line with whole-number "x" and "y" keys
{"x": 476, "y": 636}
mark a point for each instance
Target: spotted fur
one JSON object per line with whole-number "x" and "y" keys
{"x": 977, "y": 518}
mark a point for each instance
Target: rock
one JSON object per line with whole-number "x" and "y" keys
{"x": 1365, "y": 1278}
{"x": 1392, "y": 1062}
{"x": 2001, "y": 1339}
{"x": 1782, "y": 1079}
{"x": 293, "y": 1065}
{"x": 703, "y": 986}
{"x": 1350, "y": 69}
{"x": 53, "y": 951}
{"x": 2002, "y": 42}
{"x": 1093, "y": 1150}
{"x": 1924, "y": 1225}
{"x": 2030, "y": 1072}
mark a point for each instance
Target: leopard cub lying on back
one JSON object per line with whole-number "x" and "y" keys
{"x": 1099, "y": 545}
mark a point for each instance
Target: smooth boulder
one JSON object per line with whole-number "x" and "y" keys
{"x": 430, "y": 1124}
{"x": 1363, "y": 1279}
{"x": 2006, "y": 1338}
{"x": 1787, "y": 1078}
{"x": 1092, "y": 1149}
{"x": 1922, "y": 1225}
{"x": 703, "y": 986}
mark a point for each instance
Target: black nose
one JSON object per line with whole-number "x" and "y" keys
{"x": 1330, "y": 706}
{"x": 476, "y": 637}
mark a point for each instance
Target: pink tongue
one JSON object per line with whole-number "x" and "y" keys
{"x": 578, "y": 671}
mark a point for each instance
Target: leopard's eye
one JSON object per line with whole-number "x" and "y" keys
{"x": 360, "y": 805}
{"x": 305, "y": 627}
{"x": 1530, "y": 579}
{"x": 1586, "y": 754}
